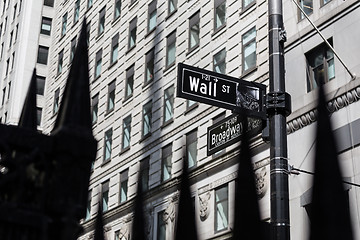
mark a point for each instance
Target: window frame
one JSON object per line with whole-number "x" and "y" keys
{"x": 151, "y": 10}
{"x": 146, "y": 112}
{"x": 191, "y": 138}
{"x": 170, "y": 43}
{"x": 107, "y": 150}
{"x": 124, "y": 180}
{"x": 216, "y": 202}
{"x": 126, "y": 126}
{"x": 45, "y": 21}
{"x": 194, "y": 20}
{"x": 117, "y": 9}
{"x": 105, "y": 195}
{"x": 175, "y": 3}
{"x": 64, "y": 24}
{"x": 114, "y": 48}
{"x": 217, "y": 4}
{"x": 166, "y": 157}
{"x": 111, "y": 96}
{"x": 77, "y": 11}
{"x": 149, "y": 61}
{"x": 42, "y": 51}
{"x": 40, "y": 85}
{"x": 220, "y": 62}
{"x": 132, "y": 33}
{"x": 101, "y": 25}
{"x": 130, "y": 73}
{"x": 169, "y": 97}
{"x": 245, "y": 46}
{"x": 144, "y": 173}
{"x": 98, "y": 64}
{"x": 94, "y": 108}
{"x": 56, "y": 101}
{"x": 60, "y": 64}
{"x": 72, "y": 49}
{"x": 300, "y": 14}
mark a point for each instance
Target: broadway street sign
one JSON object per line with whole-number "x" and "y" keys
{"x": 228, "y": 131}
{"x": 221, "y": 90}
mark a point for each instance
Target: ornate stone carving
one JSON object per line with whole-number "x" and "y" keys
{"x": 333, "y": 105}
{"x": 204, "y": 205}
{"x": 261, "y": 182}
{"x": 169, "y": 213}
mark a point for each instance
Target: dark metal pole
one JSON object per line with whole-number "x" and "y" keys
{"x": 278, "y": 107}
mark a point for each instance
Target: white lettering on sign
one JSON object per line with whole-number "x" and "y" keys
{"x": 226, "y": 135}
{"x": 205, "y": 88}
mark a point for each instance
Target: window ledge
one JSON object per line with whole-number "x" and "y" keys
{"x": 218, "y": 31}
{"x": 167, "y": 123}
{"x": 171, "y": 14}
{"x": 193, "y": 50}
{"x": 195, "y": 105}
{"x": 143, "y": 138}
{"x": 124, "y": 150}
{"x": 129, "y": 50}
{"x": 147, "y": 83}
{"x": 105, "y": 162}
{"x": 249, "y": 71}
{"x": 245, "y": 9}
{"x": 112, "y": 64}
{"x": 171, "y": 66}
{"x": 127, "y": 99}
{"x": 150, "y": 32}
{"x": 109, "y": 112}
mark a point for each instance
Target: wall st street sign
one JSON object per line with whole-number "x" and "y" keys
{"x": 221, "y": 90}
{"x": 229, "y": 130}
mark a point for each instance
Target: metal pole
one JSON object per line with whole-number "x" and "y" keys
{"x": 278, "y": 107}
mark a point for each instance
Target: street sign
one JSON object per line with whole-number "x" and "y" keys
{"x": 221, "y": 90}
{"x": 229, "y": 130}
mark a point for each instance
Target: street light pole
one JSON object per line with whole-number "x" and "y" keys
{"x": 278, "y": 108}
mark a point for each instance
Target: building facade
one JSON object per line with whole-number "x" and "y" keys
{"x": 143, "y": 128}
{"x": 25, "y": 38}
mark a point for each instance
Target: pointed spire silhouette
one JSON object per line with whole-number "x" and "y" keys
{"x": 99, "y": 225}
{"x": 138, "y": 227}
{"x": 186, "y": 221}
{"x": 74, "y": 110}
{"x": 247, "y": 214}
{"x": 329, "y": 213}
{"x": 28, "y": 117}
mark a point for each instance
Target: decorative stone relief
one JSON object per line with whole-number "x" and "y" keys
{"x": 124, "y": 231}
{"x": 148, "y": 224}
{"x": 261, "y": 182}
{"x": 169, "y": 213}
{"x": 204, "y": 205}
{"x": 333, "y": 105}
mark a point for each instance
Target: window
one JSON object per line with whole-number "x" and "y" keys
{"x": 11, "y": 38}
{"x": 3, "y": 96}
{"x": 219, "y": 12}
{"x": 144, "y": 174}
{"x": 105, "y": 195}
{"x": 9, "y": 91}
{"x": 7, "y": 66}
{"x": 94, "y": 108}
{"x": 219, "y": 61}
{"x": 16, "y": 31}
{"x": 101, "y": 27}
{"x": 111, "y": 96}
{"x": 14, "y": 14}
{"x": 56, "y": 100}
{"x": 168, "y": 104}
{"x": 49, "y": 3}
{"x": 89, "y": 3}
{"x": 88, "y": 206}
{"x": 172, "y": 6}
{"x": 147, "y": 118}
{"x": 88, "y": 28}
{"x": 38, "y": 116}
{"x": 107, "y": 145}
{"x": 114, "y": 49}
{"x": 161, "y": 226}
{"x": 45, "y": 26}
{"x": 98, "y": 61}
{"x": 126, "y": 133}
{"x": 123, "y": 186}
{"x": 13, "y": 60}
{"x": 323, "y": 2}
{"x": 191, "y": 148}
{"x": 149, "y": 71}
{"x": 129, "y": 82}
{"x": 321, "y": 68}
{"x": 72, "y": 49}
{"x": 249, "y": 50}
{"x": 40, "y": 85}
{"x": 152, "y": 15}
{"x": 2, "y": 50}
{"x": 64, "y": 23}
{"x": 117, "y": 10}
{"x": 307, "y": 6}
{"x": 132, "y": 33}
{"x": 43, "y": 55}
{"x": 77, "y": 11}
{"x": 194, "y": 31}
{"x": 170, "y": 49}
{"x": 60, "y": 62}
{"x": 247, "y": 3}
{"x": 221, "y": 208}
{"x": 166, "y": 164}
{"x": 190, "y": 104}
